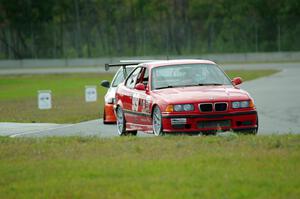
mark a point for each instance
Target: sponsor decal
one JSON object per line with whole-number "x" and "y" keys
{"x": 135, "y": 102}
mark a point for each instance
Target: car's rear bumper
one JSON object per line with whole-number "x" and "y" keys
{"x": 109, "y": 113}
{"x": 246, "y": 120}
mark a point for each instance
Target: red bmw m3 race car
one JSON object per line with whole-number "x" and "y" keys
{"x": 183, "y": 96}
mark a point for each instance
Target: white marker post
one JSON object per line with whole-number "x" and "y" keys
{"x": 44, "y": 99}
{"x": 90, "y": 93}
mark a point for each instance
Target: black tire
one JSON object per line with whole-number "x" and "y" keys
{"x": 252, "y": 131}
{"x": 256, "y": 129}
{"x": 208, "y": 133}
{"x": 133, "y": 133}
{"x": 104, "y": 118}
{"x": 121, "y": 123}
{"x": 157, "y": 122}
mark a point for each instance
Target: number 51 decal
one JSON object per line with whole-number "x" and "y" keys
{"x": 135, "y": 102}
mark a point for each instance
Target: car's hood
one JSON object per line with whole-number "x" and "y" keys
{"x": 200, "y": 94}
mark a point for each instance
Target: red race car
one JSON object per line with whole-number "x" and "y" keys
{"x": 183, "y": 96}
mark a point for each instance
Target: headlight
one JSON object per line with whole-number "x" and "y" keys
{"x": 178, "y": 107}
{"x": 244, "y": 104}
{"x": 183, "y": 107}
{"x": 241, "y": 104}
{"x": 235, "y": 104}
{"x": 188, "y": 107}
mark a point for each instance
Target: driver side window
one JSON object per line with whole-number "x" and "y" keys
{"x": 143, "y": 77}
{"x": 130, "y": 83}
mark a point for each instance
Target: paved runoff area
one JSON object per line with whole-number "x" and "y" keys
{"x": 276, "y": 98}
{"x": 89, "y": 128}
{"x": 22, "y": 129}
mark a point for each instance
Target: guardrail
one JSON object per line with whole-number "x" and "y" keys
{"x": 97, "y": 62}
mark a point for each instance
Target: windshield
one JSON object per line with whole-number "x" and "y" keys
{"x": 119, "y": 78}
{"x": 188, "y": 75}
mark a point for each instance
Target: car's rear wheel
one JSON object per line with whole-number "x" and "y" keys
{"x": 121, "y": 125}
{"x": 157, "y": 122}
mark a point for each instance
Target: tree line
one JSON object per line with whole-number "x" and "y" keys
{"x": 95, "y": 28}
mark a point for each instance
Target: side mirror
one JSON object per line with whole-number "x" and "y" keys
{"x": 140, "y": 86}
{"x": 236, "y": 81}
{"x": 105, "y": 83}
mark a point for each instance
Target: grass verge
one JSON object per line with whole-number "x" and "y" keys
{"x": 158, "y": 167}
{"x": 248, "y": 75}
{"x": 18, "y": 96}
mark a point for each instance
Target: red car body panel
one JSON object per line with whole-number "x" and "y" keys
{"x": 138, "y": 105}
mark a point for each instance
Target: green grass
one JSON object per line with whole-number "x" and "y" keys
{"x": 248, "y": 75}
{"x": 158, "y": 167}
{"x": 18, "y": 96}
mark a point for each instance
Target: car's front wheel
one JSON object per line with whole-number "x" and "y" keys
{"x": 157, "y": 122}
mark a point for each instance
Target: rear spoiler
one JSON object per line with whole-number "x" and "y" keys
{"x": 107, "y": 66}
{"x": 125, "y": 63}
{"x": 138, "y": 61}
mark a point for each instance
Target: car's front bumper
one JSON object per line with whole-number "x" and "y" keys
{"x": 210, "y": 122}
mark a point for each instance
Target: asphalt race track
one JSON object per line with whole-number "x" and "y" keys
{"x": 276, "y": 98}
{"x": 89, "y": 128}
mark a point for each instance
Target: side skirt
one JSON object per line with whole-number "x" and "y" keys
{"x": 139, "y": 127}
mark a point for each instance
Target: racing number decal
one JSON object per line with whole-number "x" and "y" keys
{"x": 146, "y": 105}
{"x": 135, "y": 102}
{"x": 138, "y": 101}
